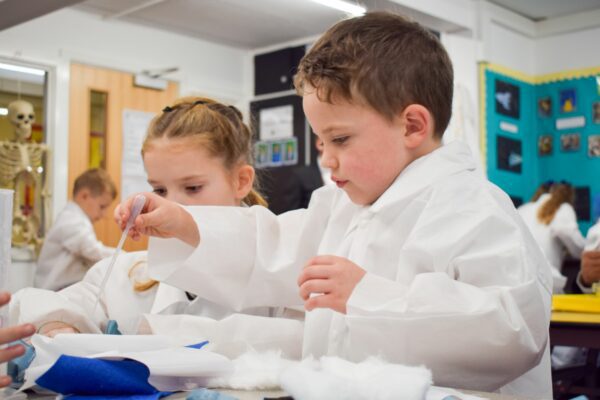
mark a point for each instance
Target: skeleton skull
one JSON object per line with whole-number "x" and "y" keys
{"x": 21, "y": 116}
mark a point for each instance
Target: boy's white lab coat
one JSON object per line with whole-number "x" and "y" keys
{"x": 69, "y": 250}
{"x": 454, "y": 279}
{"x": 560, "y": 236}
{"x": 163, "y": 309}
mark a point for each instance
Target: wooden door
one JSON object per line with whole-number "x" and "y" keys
{"x": 120, "y": 94}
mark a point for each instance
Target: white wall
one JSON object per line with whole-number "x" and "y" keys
{"x": 567, "y": 51}
{"x": 57, "y": 39}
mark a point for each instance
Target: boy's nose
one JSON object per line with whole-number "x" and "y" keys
{"x": 328, "y": 161}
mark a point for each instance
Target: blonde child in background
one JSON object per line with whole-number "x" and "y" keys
{"x": 413, "y": 257}
{"x": 553, "y": 224}
{"x": 71, "y": 247}
{"x": 590, "y": 260}
{"x": 197, "y": 151}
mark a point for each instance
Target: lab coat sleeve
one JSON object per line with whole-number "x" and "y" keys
{"x": 247, "y": 257}
{"x": 564, "y": 227}
{"x": 41, "y": 306}
{"x": 480, "y": 316}
{"x": 592, "y": 240}
{"x": 232, "y": 336}
{"x": 81, "y": 240}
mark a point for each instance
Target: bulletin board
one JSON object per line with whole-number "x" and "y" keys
{"x": 543, "y": 128}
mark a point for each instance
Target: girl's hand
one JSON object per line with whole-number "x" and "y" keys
{"x": 159, "y": 217}
{"x": 10, "y": 334}
{"x": 332, "y": 278}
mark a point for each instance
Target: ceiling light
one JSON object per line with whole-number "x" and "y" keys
{"x": 25, "y": 70}
{"x": 3, "y": 111}
{"x": 353, "y": 9}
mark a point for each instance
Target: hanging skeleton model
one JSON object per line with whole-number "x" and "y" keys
{"x": 23, "y": 169}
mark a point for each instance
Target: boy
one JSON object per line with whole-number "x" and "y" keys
{"x": 418, "y": 259}
{"x": 71, "y": 246}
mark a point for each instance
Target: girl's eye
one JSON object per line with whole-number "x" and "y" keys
{"x": 193, "y": 189}
{"x": 340, "y": 139}
{"x": 160, "y": 191}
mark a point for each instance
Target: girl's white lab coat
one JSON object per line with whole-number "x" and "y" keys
{"x": 162, "y": 309}
{"x": 559, "y": 237}
{"x": 69, "y": 250}
{"x": 454, "y": 279}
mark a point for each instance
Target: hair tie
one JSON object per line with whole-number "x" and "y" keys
{"x": 167, "y": 109}
{"x": 199, "y": 102}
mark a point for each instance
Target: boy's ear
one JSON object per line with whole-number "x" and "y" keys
{"x": 244, "y": 180}
{"x": 419, "y": 125}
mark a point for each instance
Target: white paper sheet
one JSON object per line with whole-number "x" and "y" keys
{"x": 276, "y": 122}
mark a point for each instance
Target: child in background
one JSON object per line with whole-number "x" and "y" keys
{"x": 590, "y": 260}
{"x": 413, "y": 257}
{"x": 71, "y": 247}
{"x": 196, "y": 152}
{"x": 553, "y": 223}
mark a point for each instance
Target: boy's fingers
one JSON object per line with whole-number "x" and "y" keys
{"x": 11, "y": 352}
{"x": 320, "y": 301}
{"x": 321, "y": 260}
{"x": 4, "y": 298}
{"x": 4, "y": 381}
{"x": 314, "y": 286}
{"x": 314, "y": 272}
{"x": 10, "y": 334}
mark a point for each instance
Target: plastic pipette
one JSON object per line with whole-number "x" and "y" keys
{"x": 138, "y": 204}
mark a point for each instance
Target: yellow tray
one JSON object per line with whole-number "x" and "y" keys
{"x": 589, "y": 303}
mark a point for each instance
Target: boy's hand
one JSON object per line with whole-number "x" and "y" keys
{"x": 590, "y": 267}
{"x": 10, "y": 334}
{"x": 51, "y": 329}
{"x": 332, "y": 278}
{"x": 159, "y": 217}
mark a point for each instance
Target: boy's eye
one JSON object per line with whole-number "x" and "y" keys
{"x": 193, "y": 189}
{"x": 340, "y": 139}
{"x": 160, "y": 191}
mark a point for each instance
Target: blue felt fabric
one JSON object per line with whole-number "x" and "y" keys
{"x": 17, "y": 366}
{"x": 207, "y": 394}
{"x": 91, "y": 379}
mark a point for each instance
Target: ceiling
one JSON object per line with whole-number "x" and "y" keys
{"x": 260, "y": 23}
{"x": 254, "y": 24}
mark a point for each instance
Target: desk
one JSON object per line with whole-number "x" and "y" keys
{"x": 575, "y": 329}
{"x": 580, "y": 330}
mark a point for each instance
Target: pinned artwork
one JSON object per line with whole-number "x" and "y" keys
{"x": 545, "y": 107}
{"x": 507, "y": 98}
{"x": 596, "y": 112}
{"x": 509, "y": 156}
{"x": 570, "y": 142}
{"x": 568, "y": 100}
{"x": 261, "y": 153}
{"x": 594, "y": 145}
{"x": 276, "y": 153}
{"x": 545, "y": 145}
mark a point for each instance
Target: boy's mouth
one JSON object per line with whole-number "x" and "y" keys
{"x": 340, "y": 183}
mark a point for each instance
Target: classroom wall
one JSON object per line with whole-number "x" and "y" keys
{"x": 567, "y": 51}
{"x": 56, "y": 39}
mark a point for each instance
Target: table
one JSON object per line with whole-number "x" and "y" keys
{"x": 580, "y": 330}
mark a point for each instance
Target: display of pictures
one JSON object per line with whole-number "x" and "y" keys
{"x": 570, "y": 142}
{"x": 594, "y": 145}
{"x": 596, "y": 112}
{"x": 545, "y": 145}
{"x": 509, "y": 154}
{"x": 568, "y": 100}
{"x": 545, "y": 107}
{"x": 507, "y": 98}
{"x": 276, "y": 153}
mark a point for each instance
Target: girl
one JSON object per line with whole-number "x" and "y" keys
{"x": 197, "y": 152}
{"x": 553, "y": 223}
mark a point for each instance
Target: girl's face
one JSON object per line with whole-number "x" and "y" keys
{"x": 184, "y": 172}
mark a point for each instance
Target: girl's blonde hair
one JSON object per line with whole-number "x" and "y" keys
{"x": 216, "y": 127}
{"x": 560, "y": 193}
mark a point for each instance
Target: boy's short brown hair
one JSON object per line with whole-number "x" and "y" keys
{"x": 97, "y": 181}
{"x": 385, "y": 60}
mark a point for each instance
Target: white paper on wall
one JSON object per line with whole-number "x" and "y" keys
{"x": 133, "y": 174}
{"x": 276, "y": 122}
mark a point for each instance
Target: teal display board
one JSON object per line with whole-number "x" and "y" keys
{"x": 546, "y": 128}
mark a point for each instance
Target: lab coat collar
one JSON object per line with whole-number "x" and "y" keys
{"x": 543, "y": 198}
{"x": 74, "y": 208}
{"x": 447, "y": 160}
{"x": 166, "y": 296}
